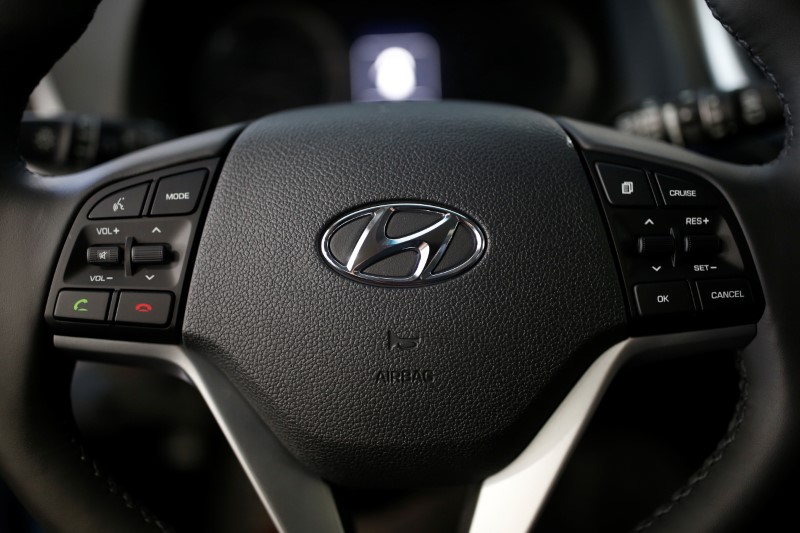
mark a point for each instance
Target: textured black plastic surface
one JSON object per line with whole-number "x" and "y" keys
{"x": 309, "y": 348}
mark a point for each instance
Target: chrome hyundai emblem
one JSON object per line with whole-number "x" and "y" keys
{"x": 443, "y": 243}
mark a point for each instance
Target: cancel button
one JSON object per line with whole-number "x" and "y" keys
{"x": 724, "y": 294}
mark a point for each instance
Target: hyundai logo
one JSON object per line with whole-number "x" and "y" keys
{"x": 402, "y": 244}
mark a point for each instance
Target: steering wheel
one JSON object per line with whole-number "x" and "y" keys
{"x": 396, "y": 295}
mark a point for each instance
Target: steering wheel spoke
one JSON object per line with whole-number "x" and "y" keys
{"x": 510, "y": 500}
{"x": 295, "y": 499}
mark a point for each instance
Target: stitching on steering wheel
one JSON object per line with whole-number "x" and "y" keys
{"x": 114, "y": 488}
{"x": 714, "y": 458}
{"x": 762, "y": 65}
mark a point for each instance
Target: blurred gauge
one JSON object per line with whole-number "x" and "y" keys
{"x": 535, "y": 56}
{"x": 259, "y": 60}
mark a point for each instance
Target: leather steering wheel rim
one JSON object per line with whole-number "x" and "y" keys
{"x": 40, "y": 452}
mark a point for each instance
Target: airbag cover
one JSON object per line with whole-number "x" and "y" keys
{"x": 493, "y": 350}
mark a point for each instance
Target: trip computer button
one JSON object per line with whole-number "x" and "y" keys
{"x": 625, "y": 186}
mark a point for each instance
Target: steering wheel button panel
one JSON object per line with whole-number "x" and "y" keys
{"x": 725, "y": 294}
{"x": 123, "y": 203}
{"x": 82, "y": 305}
{"x": 678, "y": 192}
{"x": 685, "y": 241}
{"x": 178, "y": 195}
{"x": 625, "y": 186}
{"x": 146, "y": 308}
{"x": 138, "y": 255}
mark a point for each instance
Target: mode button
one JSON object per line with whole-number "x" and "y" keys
{"x": 178, "y": 195}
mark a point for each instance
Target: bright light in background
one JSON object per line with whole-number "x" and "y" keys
{"x": 395, "y": 67}
{"x": 395, "y": 73}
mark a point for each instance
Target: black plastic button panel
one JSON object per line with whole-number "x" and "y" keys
{"x": 683, "y": 259}
{"x": 129, "y": 264}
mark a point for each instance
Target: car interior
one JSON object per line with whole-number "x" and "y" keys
{"x": 399, "y": 266}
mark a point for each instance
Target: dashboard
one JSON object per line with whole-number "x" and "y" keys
{"x": 628, "y": 63}
{"x": 242, "y": 59}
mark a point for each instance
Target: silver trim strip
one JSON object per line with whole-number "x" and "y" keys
{"x": 510, "y": 501}
{"x": 723, "y": 57}
{"x": 295, "y": 499}
{"x": 45, "y": 100}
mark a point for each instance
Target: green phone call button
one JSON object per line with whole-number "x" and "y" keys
{"x": 82, "y": 305}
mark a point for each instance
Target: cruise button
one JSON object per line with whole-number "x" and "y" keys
{"x": 663, "y": 298}
{"x": 678, "y": 192}
{"x": 724, "y": 294}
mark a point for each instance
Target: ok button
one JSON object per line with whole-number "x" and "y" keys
{"x": 663, "y": 298}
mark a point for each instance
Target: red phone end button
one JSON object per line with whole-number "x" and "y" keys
{"x": 145, "y": 308}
